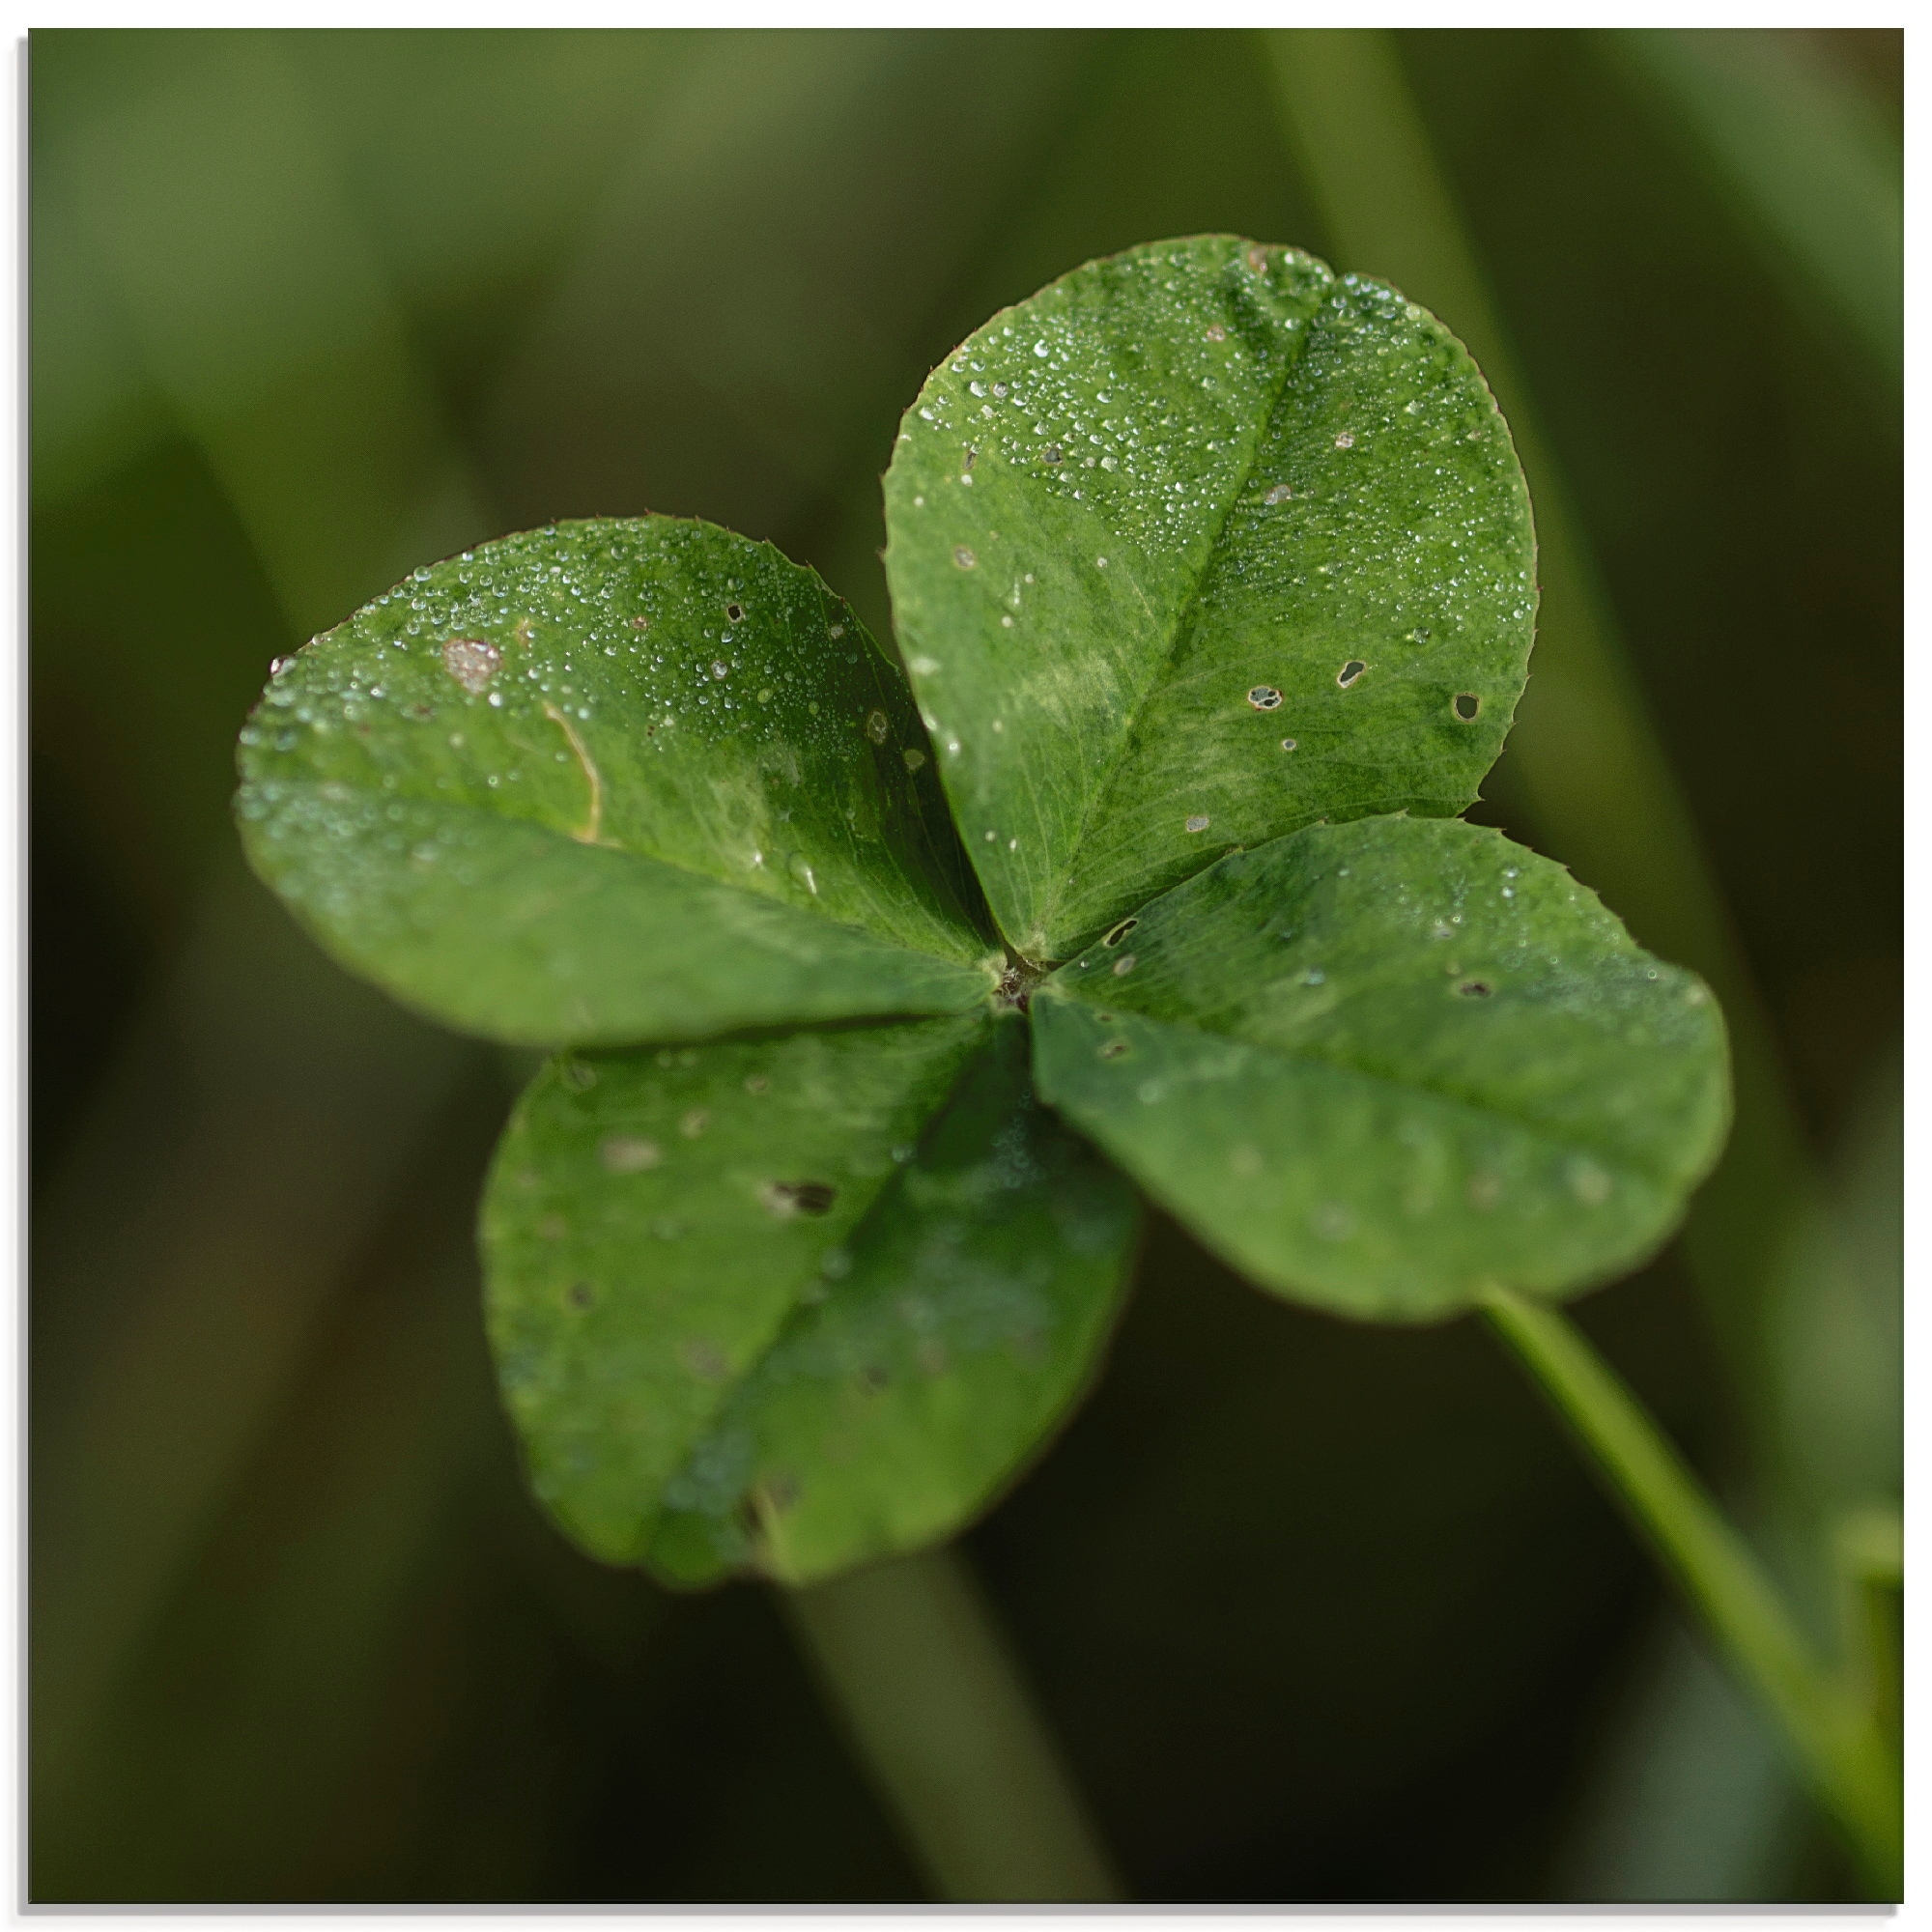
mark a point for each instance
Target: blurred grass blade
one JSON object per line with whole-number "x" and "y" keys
{"x": 209, "y": 210}
{"x": 917, "y": 1669}
{"x": 1689, "y": 1798}
{"x": 207, "y": 205}
{"x": 1832, "y": 1739}
{"x": 1584, "y": 750}
{"x": 1805, "y": 159}
{"x": 181, "y": 1256}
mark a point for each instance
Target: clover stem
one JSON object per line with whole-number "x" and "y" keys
{"x": 912, "y": 1663}
{"x": 1833, "y": 1740}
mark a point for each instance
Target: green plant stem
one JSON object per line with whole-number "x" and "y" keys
{"x": 1585, "y": 754}
{"x": 1832, "y": 1739}
{"x": 911, "y": 1660}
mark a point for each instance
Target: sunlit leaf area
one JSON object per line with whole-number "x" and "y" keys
{"x": 1310, "y": 1594}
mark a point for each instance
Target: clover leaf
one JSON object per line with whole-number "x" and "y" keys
{"x": 873, "y": 991}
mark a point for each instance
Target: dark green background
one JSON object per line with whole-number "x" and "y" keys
{"x": 1320, "y": 1612}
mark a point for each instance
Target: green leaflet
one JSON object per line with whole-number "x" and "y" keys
{"x": 793, "y": 1303}
{"x": 613, "y": 781}
{"x": 1211, "y": 568}
{"x": 1197, "y": 546}
{"x": 1380, "y": 1065}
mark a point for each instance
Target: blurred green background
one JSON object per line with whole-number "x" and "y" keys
{"x": 1318, "y": 1612}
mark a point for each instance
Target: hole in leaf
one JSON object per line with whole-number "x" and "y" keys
{"x": 734, "y": 612}
{"x": 1264, "y": 698}
{"x": 1350, "y": 673}
{"x": 1114, "y": 1049}
{"x": 1119, "y": 932}
{"x": 1475, "y": 989}
{"x": 788, "y": 1198}
{"x": 1466, "y": 706}
{"x": 580, "y": 1295}
{"x": 1053, "y": 453}
{"x": 964, "y": 558}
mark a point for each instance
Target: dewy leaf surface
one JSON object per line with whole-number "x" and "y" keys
{"x": 1380, "y": 1065}
{"x": 1198, "y": 545}
{"x": 952, "y": 1333}
{"x": 613, "y": 781}
{"x": 789, "y": 1304}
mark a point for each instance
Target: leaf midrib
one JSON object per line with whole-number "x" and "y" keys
{"x": 798, "y": 1311}
{"x": 1298, "y": 345}
{"x": 491, "y": 816}
{"x": 1521, "y": 1121}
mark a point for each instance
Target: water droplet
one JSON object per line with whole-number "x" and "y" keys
{"x": 719, "y": 669}
{"x": 1280, "y": 494}
{"x": 1345, "y": 441}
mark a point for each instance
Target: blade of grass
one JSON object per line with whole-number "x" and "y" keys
{"x": 1585, "y": 753}
{"x": 911, "y": 1658}
{"x": 1830, "y": 1736}
{"x": 1805, "y": 160}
